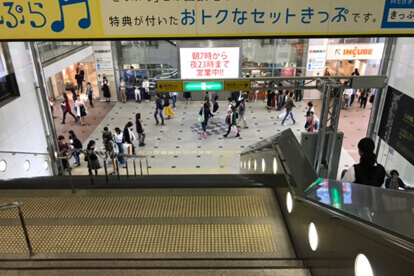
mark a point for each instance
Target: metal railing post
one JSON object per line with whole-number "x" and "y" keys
{"x": 26, "y": 234}
{"x": 126, "y": 167}
{"x": 70, "y": 176}
{"x": 146, "y": 159}
{"x": 135, "y": 168}
{"x": 17, "y": 205}
{"x": 140, "y": 165}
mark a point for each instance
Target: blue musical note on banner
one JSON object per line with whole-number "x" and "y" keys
{"x": 83, "y": 23}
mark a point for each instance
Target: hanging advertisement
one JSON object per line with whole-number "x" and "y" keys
{"x": 209, "y": 63}
{"x": 397, "y": 123}
{"x": 105, "y": 19}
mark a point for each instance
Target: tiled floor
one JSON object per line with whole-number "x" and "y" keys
{"x": 179, "y": 148}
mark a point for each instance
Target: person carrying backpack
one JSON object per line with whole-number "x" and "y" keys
{"x": 367, "y": 171}
{"x": 112, "y": 149}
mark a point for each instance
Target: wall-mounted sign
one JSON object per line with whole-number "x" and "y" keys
{"x": 169, "y": 86}
{"x": 243, "y": 85}
{"x": 209, "y": 63}
{"x": 103, "y": 58}
{"x": 316, "y": 57}
{"x": 355, "y": 51}
{"x": 105, "y": 19}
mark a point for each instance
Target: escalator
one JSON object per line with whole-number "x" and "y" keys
{"x": 255, "y": 223}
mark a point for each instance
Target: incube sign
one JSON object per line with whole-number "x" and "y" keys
{"x": 355, "y": 51}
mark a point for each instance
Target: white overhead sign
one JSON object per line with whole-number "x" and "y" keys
{"x": 355, "y": 51}
{"x": 103, "y": 58}
{"x": 209, "y": 63}
{"x": 316, "y": 57}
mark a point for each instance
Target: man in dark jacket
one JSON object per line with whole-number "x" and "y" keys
{"x": 158, "y": 110}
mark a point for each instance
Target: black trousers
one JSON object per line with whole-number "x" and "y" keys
{"x": 70, "y": 112}
{"x": 298, "y": 95}
{"x": 90, "y": 100}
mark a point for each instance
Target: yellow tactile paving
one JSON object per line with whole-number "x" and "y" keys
{"x": 194, "y": 238}
{"x": 138, "y": 207}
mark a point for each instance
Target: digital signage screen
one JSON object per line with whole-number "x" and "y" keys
{"x": 210, "y": 63}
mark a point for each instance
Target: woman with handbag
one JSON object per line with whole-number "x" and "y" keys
{"x": 232, "y": 122}
{"x": 105, "y": 90}
{"x": 204, "y": 115}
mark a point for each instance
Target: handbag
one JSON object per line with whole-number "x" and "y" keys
{"x": 228, "y": 119}
{"x": 201, "y": 117}
{"x": 234, "y": 128}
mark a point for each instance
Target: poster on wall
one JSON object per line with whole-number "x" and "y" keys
{"x": 316, "y": 58}
{"x": 209, "y": 63}
{"x": 397, "y": 123}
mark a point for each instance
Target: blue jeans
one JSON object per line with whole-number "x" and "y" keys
{"x": 76, "y": 156}
{"x": 204, "y": 126}
{"x": 121, "y": 160}
{"x": 174, "y": 100}
{"x": 157, "y": 111}
{"x": 289, "y": 112}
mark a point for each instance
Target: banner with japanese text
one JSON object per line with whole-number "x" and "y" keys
{"x": 105, "y": 19}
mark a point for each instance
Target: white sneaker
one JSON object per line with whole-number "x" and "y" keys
{"x": 283, "y": 124}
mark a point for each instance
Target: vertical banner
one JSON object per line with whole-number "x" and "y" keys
{"x": 397, "y": 123}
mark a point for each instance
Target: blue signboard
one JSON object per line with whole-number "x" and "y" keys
{"x": 398, "y": 14}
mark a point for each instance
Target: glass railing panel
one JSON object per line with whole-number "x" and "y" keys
{"x": 389, "y": 209}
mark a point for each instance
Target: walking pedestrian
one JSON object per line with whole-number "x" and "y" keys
{"x": 205, "y": 114}
{"x": 140, "y": 130}
{"x": 158, "y": 110}
{"x": 289, "y": 106}
{"x": 66, "y": 108}
{"x": 76, "y": 144}
{"x": 231, "y": 120}
{"x": 167, "y": 107}
{"x": 173, "y": 95}
{"x": 242, "y": 111}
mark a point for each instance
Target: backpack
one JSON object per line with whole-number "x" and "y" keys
{"x": 216, "y": 97}
{"x": 115, "y": 148}
{"x": 77, "y": 144}
{"x": 374, "y": 178}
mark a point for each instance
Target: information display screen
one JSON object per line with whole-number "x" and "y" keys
{"x": 397, "y": 123}
{"x": 209, "y": 63}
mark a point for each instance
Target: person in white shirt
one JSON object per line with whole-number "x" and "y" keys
{"x": 145, "y": 86}
{"x": 173, "y": 95}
